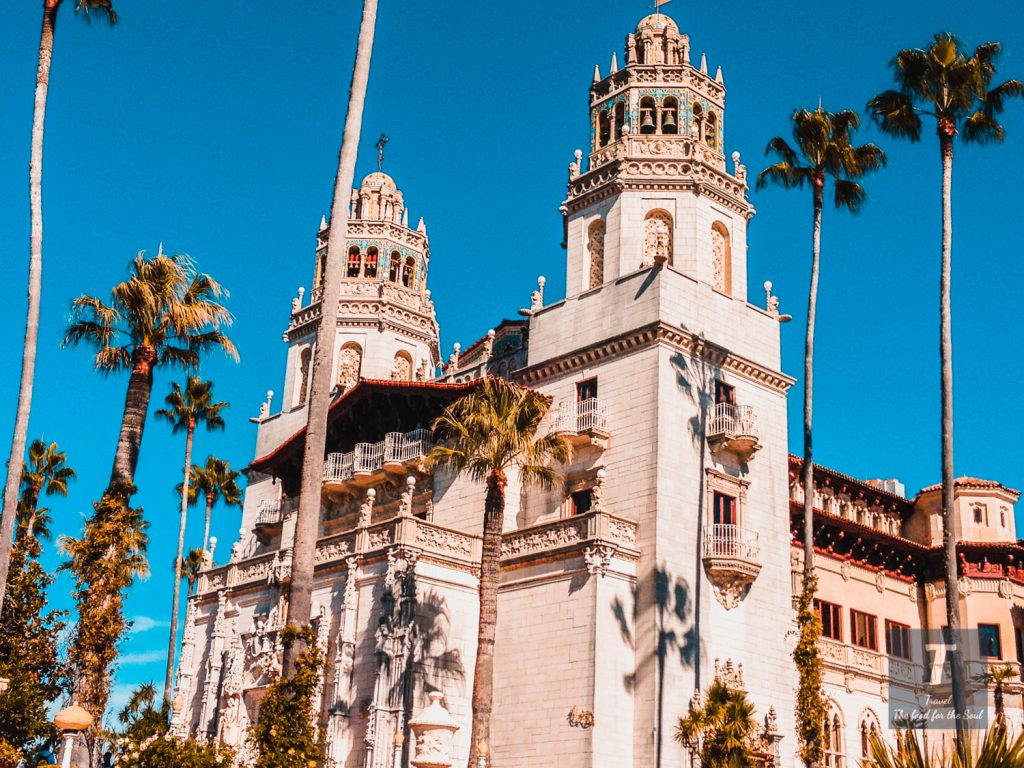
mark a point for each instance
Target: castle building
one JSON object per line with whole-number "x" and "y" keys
{"x": 667, "y": 557}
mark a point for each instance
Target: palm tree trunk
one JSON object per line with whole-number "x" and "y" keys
{"x": 957, "y": 670}
{"x": 210, "y": 500}
{"x": 490, "y": 564}
{"x": 812, "y": 307}
{"x": 308, "y": 517}
{"x": 35, "y": 280}
{"x": 133, "y": 419}
{"x": 176, "y": 590}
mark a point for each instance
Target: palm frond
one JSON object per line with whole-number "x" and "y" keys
{"x": 895, "y": 114}
{"x": 849, "y": 194}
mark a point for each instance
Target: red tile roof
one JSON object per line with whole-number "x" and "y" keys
{"x": 976, "y": 483}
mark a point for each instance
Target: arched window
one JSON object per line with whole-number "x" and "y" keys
{"x": 670, "y": 115}
{"x": 402, "y": 368}
{"x": 835, "y": 752}
{"x": 721, "y": 258}
{"x": 354, "y": 262}
{"x": 395, "y": 271}
{"x": 698, "y": 120}
{"x": 304, "y": 361}
{"x": 350, "y": 358}
{"x": 647, "y": 115}
{"x": 711, "y": 130}
{"x": 620, "y": 120}
{"x": 595, "y": 247}
{"x": 409, "y": 273}
{"x": 370, "y": 265}
{"x": 658, "y": 237}
{"x": 604, "y": 128}
{"x": 869, "y": 730}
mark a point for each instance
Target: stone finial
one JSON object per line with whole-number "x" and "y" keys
{"x": 297, "y": 301}
{"x": 597, "y": 74}
{"x": 597, "y": 492}
{"x": 434, "y": 731}
{"x": 739, "y": 169}
{"x": 453, "y": 360}
{"x": 718, "y": 76}
{"x": 576, "y": 167}
{"x": 410, "y": 489}
{"x": 405, "y": 218}
{"x": 323, "y": 223}
{"x": 537, "y": 297}
{"x": 615, "y": 64}
{"x": 703, "y": 64}
{"x": 489, "y": 344}
{"x": 265, "y": 405}
{"x": 208, "y": 558}
{"x": 422, "y": 226}
{"x": 366, "y": 508}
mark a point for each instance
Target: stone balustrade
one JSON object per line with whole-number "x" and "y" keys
{"x": 395, "y": 451}
{"x": 851, "y": 659}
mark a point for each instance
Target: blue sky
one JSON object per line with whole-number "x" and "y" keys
{"x": 217, "y": 133}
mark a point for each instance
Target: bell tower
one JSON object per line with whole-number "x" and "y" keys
{"x": 387, "y": 328}
{"x": 656, "y": 189}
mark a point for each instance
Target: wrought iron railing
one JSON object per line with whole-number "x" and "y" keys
{"x": 367, "y": 458}
{"x": 269, "y": 512}
{"x": 731, "y": 541}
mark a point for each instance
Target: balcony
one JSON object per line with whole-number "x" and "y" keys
{"x": 734, "y": 428}
{"x": 270, "y": 515}
{"x": 396, "y": 452}
{"x": 583, "y": 422}
{"x": 732, "y": 560}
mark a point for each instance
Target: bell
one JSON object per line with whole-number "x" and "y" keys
{"x": 670, "y": 120}
{"x": 648, "y": 120}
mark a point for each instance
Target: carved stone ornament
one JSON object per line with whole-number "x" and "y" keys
{"x": 1005, "y": 589}
{"x": 846, "y": 570}
{"x": 598, "y": 558}
{"x": 912, "y": 592}
{"x": 349, "y": 361}
{"x": 657, "y": 238}
{"x": 434, "y": 731}
{"x": 880, "y": 581}
{"x": 718, "y": 260}
{"x": 963, "y": 586}
{"x": 595, "y": 247}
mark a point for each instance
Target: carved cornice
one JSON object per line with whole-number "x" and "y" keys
{"x": 647, "y": 336}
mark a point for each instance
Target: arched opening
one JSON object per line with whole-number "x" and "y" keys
{"x": 354, "y": 262}
{"x": 869, "y": 731}
{"x": 698, "y": 120}
{"x": 835, "y": 752}
{"x": 395, "y": 271}
{"x": 595, "y": 247}
{"x": 604, "y": 128}
{"x": 304, "y": 361}
{"x": 670, "y": 115}
{"x": 647, "y": 115}
{"x": 658, "y": 237}
{"x": 370, "y": 265}
{"x": 711, "y": 131}
{"x": 402, "y": 368}
{"x": 721, "y": 258}
{"x": 321, "y": 268}
{"x": 620, "y": 119}
{"x": 350, "y": 360}
{"x": 409, "y": 273}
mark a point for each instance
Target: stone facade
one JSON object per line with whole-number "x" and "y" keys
{"x": 665, "y": 555}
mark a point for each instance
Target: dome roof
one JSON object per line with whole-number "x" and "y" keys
{"x": 657, "y": 21}
{"x": 379, "y": 179}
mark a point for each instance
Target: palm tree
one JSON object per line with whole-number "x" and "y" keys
{"x": 998, "y": 675}
{"x": 995, "y": 751}
{"x": 484, "y": 434}
{"x": 216, "y": 481}
{"x": 186, "y": 409}
{"x": 141, "y": 716}
{"x": 945, "y": 83}
{"x": 164, "y": 314}
{"x": 307, "y": 521}
{"x": 824, "y": 149}
{"x": 722, "y": 730}
{"x": 35, "y": 271}
{"x": 191, "y": 566}
{"x": 45, "y": 472}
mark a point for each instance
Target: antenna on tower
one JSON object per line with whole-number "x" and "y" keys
{"x": 381, "y": 143}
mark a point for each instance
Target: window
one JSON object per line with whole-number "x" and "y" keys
{"x": 831, "y": 619}
{"x": 670, "y": 116}
{"x": 647, "y": 124}
{"x": 711, "y": 131}
{"x": 835, "y": 754}
{"x": 988, "y": 640}
{"x": 304, "y": 360}
{"x": 620, "y": 120}
{"x": 657, "y": 238}
{"x": 595, "y": 247}
{"x": 370, "y": 268}
{"x": 580, "y": 502}
{"x": 725, "y": 509}
{"x": 721, "y": 258}
{"x": 869, "y": 730}
{"x": 725, "y": 393}
{"x": 409, "y": 273}
{"x": 604, "y": 128}
{"x": 1002, "y": 517}
{"x": 353, "y": 262}
{"x": 979, "y": 515}
{"x": 586, "y": 390}
{"x": 897, "y": 640}
{"x": 395, "y": 272}
{"x": 863, "y": 630}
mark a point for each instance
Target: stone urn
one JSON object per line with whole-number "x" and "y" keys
{"x": 434, "y": 730}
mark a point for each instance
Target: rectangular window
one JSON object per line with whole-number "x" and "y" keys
{"x": 585, "y": 390}
{"x": 831, "y": 619}
{"x": 897, "y": 640}
{"x": 863, "y": 630}
{"x": 724, "y": 509}
{"x": 580, "y": 502}
{"x": 988, "y": 639}
{"x": 725, "y": 393}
